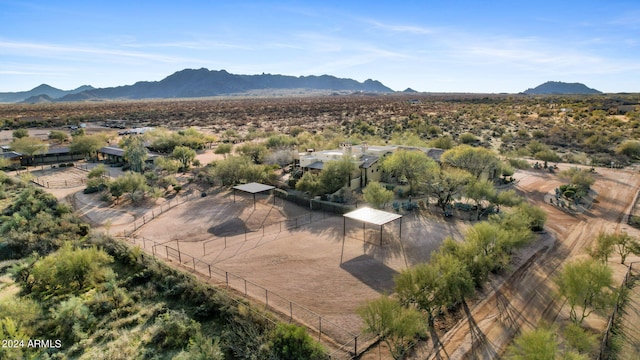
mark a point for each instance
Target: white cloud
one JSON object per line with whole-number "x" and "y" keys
{"x": 411, "y": 29}
{"x": 43, "y": 50}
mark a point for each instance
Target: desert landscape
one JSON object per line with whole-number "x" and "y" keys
{"x": 316, "y": 268}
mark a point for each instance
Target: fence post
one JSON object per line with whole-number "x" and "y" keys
{"x": 319, "y": 327}
{"x": 144, "y": 243}
{"x": 245, "y": 287}
{"x": 266, "y": 298}
{"x": 209, "y": 271}
{"x": 290, "y": 312}
{"x": 166, "y": 248}
{"x": 194, "y": 264}
{"x": 355, "y": 346}
{"x": 226, "y": 275}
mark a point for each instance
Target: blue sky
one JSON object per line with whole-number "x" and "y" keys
{"x": 437, "y": 46}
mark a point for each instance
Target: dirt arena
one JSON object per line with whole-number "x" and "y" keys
{"x": 299, "y": 256}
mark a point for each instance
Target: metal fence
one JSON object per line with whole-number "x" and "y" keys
{"x": 264, "y": 230}
{"x": 604, "y": 345}
{"x": 157, "y": 211}
{"x": 346, "y": 344}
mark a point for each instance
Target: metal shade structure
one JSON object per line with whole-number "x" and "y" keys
{"x": 253, "y": 188}
{"x": 367, "y": 215}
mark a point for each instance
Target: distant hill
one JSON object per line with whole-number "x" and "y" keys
{"x": 44, "y": 89}
{"x": 561, "y": 88}
{"x": 200, "y": 83}
{"x": 37, "y": 99}
{"x": 409, "y": 91}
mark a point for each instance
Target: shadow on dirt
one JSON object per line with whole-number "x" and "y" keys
{"x": 235, "y": 226}
{"x": 371, "y": 272}
{"x": 481, "y": 347}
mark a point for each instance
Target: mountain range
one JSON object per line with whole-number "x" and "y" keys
{"x": 44, "y": 91}
{"x": 561, "y": 88}
{"x": 191, "y": 83}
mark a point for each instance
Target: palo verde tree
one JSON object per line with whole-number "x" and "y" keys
{"x": 132, "y": 183}
{"x": 135, "y": 152}
{"x": 443, "y": 282}
{"x": 480, "y": 191}
{"x": 223, "y": 149}
{"x": 185, "y": 155}
{"x": 309, "y": 182}
{"x": 20, "y": 133}
{"x": 336, "y": 174}
{"x": 414, "y": 165}
{"x": 87, "y": 144}
{"x": 396, "y": 325}
{"x": 446, "y": 183}
{"x": 476, "y": 160}
{"x": 586, "y": 285}
{"x": 254, "y": 151}
{"x": 29, "y": 146}
{"x": 376, "y": 194}
{"x": 539, "y": 343}
{"x": 602, "y": 248}
{"x": 625, "y": 244}
{"x": 420, "y": 286}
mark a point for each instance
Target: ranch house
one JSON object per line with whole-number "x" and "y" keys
{"x": 367, "y": 157}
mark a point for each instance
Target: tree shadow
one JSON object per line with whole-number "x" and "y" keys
{"x": 439, "y": 352}
{"x": 507, "y": 313}
{"x": 481, "y": 347}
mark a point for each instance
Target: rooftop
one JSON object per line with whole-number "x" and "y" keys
{"x": 372, "y": 216}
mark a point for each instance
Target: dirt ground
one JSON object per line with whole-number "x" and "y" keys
{"x": 308, "y": 265}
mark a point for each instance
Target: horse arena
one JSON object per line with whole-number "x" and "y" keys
{"x": 305, "y": 264}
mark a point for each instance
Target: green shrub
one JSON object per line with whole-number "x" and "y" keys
{"x": 173, "y": 329}
{"x": 519, "y": 164}
{"x": 290, "y": 341}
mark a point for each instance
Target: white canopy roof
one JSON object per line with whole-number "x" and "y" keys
{"x": 372, "y": 216}
{"x": 253, "y": 187}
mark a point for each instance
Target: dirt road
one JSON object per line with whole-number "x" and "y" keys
{"x": 528, "y": 297}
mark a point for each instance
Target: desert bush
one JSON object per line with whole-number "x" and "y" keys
{"x": 519, "y": 164}
{"x": 69, "y": 271}
{"x": 72, "y": 321}
{"x": 173, "y": 329}
{"x": 290, "y": 341}
{"x": 581, "y": 179}
{"x": 468, "y": 138}
{"x": 443, "y": 142}
{"x": 547, "y": 155}
{"x": 376, "y": 194}
{"x": 630, "y": 148}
